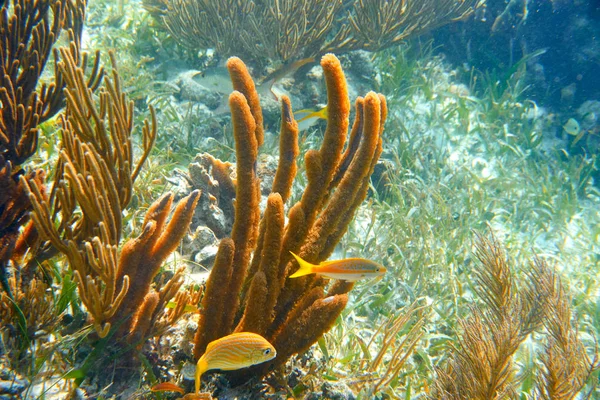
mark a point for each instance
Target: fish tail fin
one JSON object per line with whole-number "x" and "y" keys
{"x": 306, "y": 268}
{"x": 201, "y": 367}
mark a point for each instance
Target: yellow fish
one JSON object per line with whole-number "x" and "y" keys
{"x": 322, "y": 113}
{"x": 235, "y": 351}
{"x": 310, "y": 117}
{"x": 349, "y": 269}
{"x": 187, "y": 308}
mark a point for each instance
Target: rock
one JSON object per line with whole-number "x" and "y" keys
{"x": 589, "y": 114}
{"x": 12, "y": 387}
{"x": 362, "y": 64}
{"x": 205, "y": 237}
{"x": 206, "y": 256}
{"x": 267, "y": 167}
{"x": 214, "y": 179}
{"x": 199, "y": 245}
{"x": 193, "y": 87}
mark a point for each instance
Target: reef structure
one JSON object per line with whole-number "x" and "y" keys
{"x": 253, "y": 294}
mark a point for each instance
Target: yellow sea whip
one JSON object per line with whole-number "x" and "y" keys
{"x": 235, "y": 351}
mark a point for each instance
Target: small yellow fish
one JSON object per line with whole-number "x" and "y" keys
{"x": 235, "y": 351}
{"x": 322, "y": 114}
{"x": 188, "y": 307}
{"x": 349, "y": 269}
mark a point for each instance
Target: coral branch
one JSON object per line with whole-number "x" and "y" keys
{"x": 142, "y": 257}
{"x": 210, "y": 326}
{"x": 288, "y": 151}
{"x": 28, "y": 32}
{"x": 481, "y": 366}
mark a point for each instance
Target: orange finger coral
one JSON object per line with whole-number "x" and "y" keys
{"x": 255, "y": 295}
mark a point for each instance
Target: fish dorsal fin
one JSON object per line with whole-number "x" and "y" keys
{"x": 212, "y": 344}
{"x": 326, "y": 263}
{"x": 345, "y": 261}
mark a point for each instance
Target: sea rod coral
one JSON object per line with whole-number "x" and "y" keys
{"x": 254, "y": 294}
{"x": 28, "y": 31}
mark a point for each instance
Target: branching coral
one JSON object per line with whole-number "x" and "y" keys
{"x": 253, "y": 30}
{"x": 398, "y": 337}
{"x": 483, "y": 364}
{"x": 378, "y": 24}
{"x": 256, "y": 296}
{"x": 287, "y": 30}
{"x": 29, "y": 29}
{"x": 27, "y": 37}
{"x": 566, "y": 363}
{"x": 82, "y": 217}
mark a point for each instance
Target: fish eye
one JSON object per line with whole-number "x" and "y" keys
{"x": 267, "y": 352}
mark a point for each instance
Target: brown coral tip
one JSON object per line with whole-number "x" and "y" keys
{"x": 243, "y": 83}
{"x": 288, "y": 151}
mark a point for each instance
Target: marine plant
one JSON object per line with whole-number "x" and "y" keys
{"x": 81, "y": 217}
{"x": 449, "y": 170}
{"x": 254, "y": 295}
{"x": 29, "y": 30}
{"x": 481, "y": 365}
{"x": 286, "y": 30}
